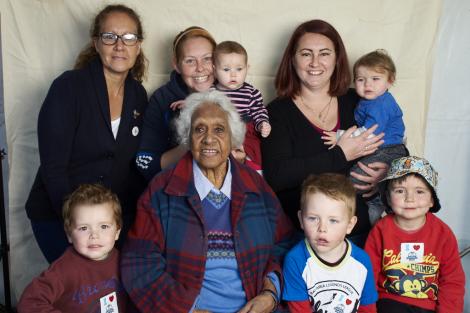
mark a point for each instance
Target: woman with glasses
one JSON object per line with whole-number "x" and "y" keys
{"x": 193, "y": 72}
{"x": 89, "y": 127}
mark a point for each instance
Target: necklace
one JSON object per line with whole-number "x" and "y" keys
{"x": 321, "y": 117}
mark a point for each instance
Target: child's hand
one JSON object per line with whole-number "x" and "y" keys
{"x": 265, "y": 129}
{"x": 177, "y": 105}
{"x": 330, "y": 138}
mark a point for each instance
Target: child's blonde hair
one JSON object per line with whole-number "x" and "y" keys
{"x": 226, "y": 47}
{"x": 90, "y": 194}
{"x": 379, "y": 61}
{"x": 334, "y": 186}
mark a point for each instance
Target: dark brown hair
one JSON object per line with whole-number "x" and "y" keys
{"x": 139, "y": 70}
{"x": 90, "y": 194}
{"x": 190, "y": 32}
{"x": 334, "y": 186}
{"x": 379, "y": 61}
{"x": 287, "y": 82}
{"x": 226, "y": 47}
{"x": 386, "y": 188}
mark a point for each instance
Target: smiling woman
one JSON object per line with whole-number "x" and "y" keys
{"x": 193, "y": 72}
{"x": 312, "y": 85}
{"x": 89, "y": 126}
{"x": 209, "y": 232}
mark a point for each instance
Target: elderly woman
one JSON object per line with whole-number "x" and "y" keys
{"x": 193, "y": 72}
{"x": 89, "y": 126}
{"x": 312, "y": 85}
{"x": 209, "y": 231}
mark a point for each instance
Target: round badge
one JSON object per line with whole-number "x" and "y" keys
{"x": 135, "y": 131}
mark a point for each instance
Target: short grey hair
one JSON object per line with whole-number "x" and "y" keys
{"x": 194, "y": 101}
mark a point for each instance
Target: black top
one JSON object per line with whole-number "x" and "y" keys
{"x": 294, "y": 150}
{"x": 158, "y": 133}
{"x": 76, "y": 143}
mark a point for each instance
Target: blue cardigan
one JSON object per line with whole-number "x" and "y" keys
{"x": 76, "y": 143}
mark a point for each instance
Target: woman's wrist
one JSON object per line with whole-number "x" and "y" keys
{"x": 273, "y": 295}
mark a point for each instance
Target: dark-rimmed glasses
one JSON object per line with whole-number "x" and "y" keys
{"x": 127, "y": 39}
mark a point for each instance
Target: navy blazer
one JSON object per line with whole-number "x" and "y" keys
{"x": 76, "y": 143}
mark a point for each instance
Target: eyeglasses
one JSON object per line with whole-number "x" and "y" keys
{"x": 127, "y": 39}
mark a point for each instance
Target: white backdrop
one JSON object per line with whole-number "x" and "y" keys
{"x": 42, "y": 38}
{"x": 447, "y": 143}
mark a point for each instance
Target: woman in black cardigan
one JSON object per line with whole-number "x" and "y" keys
{"x": 312, "y": 85}
{"x": 89, "y": 127}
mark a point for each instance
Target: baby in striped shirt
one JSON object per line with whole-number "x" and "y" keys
{"x": 230, "y": 69}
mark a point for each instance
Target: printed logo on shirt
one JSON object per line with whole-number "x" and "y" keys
{"x": 344, "y": 299}
{"x": 83, "y": 294}
{"x": 409, "y": 278}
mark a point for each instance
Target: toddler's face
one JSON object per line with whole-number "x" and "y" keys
{"x": 94, "y": 230}
{"x": 230, "y": 70}
{"x": 371, "y": 84}
{"x": 410, "y": 200}
{"x": 326, "y": 222}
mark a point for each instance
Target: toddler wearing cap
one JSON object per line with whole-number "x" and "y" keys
{"x": 414, "y": 254}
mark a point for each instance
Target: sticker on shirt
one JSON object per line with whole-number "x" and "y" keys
{"x": 109, "y": 303}
{"x": 135, "y": 131}
{"x": 412, "y": 252}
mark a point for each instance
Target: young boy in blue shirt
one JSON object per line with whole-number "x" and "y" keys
{"x": 326, "y": 272}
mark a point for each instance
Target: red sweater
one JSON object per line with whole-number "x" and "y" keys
{"x": 74, "y": 284}
{"x": 436, "y": 283}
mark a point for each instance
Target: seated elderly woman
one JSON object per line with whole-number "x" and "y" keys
{"x": 209, "y": 231}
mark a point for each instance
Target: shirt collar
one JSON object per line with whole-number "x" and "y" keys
{"x": 204, "y": 186}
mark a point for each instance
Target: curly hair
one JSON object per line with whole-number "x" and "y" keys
{"x": 194, "y": 101}
{"x": 90, "y": 194}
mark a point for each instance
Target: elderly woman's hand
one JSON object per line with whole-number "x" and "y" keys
{"x": 375, "y": 171}
{"x": 263, "y": 303}
{"x": 359, "y": 146}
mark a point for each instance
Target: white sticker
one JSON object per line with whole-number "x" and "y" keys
{"x": 109, "y": 303}
{"x": 135, "y": 131}
{"x": 412, "y": 252}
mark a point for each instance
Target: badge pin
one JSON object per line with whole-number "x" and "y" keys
{"x": 136, "y": 114}
{"x": 135, "y": 131}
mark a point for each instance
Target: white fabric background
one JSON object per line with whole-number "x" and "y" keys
{"x": 42, "y": 38}
{"x": 447, "y": 144}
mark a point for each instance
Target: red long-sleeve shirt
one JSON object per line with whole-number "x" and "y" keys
{"x": 436, "y": 283}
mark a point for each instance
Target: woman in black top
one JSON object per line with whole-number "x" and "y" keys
{"x": 89, "y": 127}
{"x": 312, "y": 85}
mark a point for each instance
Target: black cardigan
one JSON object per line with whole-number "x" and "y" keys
{"x": 295, "y": 150}
{"x": 76, "y": 143}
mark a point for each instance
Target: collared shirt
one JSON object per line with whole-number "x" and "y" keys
{"x": 204, "y": 186}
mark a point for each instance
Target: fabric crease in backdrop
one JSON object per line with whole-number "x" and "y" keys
{"x": 42, "y": 38}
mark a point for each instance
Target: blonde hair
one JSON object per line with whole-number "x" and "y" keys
{"x": 190, "y": 32}
{"x": 379, "y": 61}
{"x": 334, "y": 186}
{"x": 90, "y": 194}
